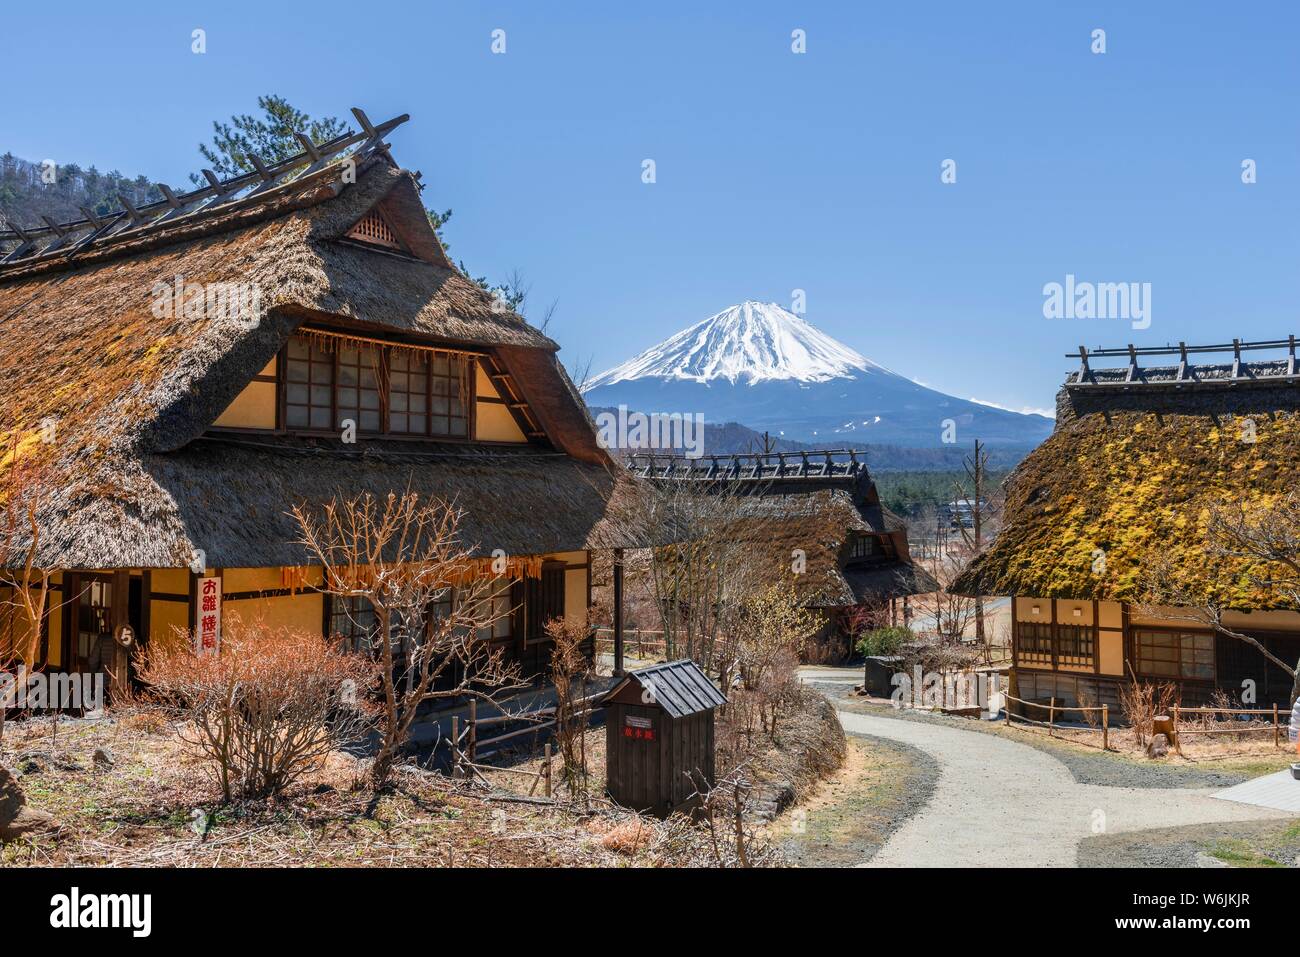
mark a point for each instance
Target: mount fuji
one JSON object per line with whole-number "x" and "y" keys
{"x": 758, "y": 364}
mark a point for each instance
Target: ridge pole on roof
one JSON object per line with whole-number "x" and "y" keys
{"x": 168, "y": 195}
{"x": 218, "y": 187}
{"x": 1132, "y": 364}
{"x": 55, "y": 227}
{"x": 91, "y": 218}
{"x": 258, "y": 165}
{"x": 1236, "y": 358}
{"x": 308, "y": 147}
{"x": 1084, "y": 372}
{"x": 18, "y": 231}
{"x": 1182, "y": 360}
{"x": 136, "y": 218}
{"x": 1290, "y": 362}
{"x": 366, "y": 126}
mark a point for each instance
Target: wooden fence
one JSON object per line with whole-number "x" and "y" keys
{"x": 635, "y": 642}
{"x": 1179, "y": 714}
{"x": 466, "y": 741}
{"x": 1274, "y": 723}
{"x": 1053, "y": 709}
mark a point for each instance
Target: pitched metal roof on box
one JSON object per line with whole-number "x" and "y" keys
{"x": 679, "y": 687}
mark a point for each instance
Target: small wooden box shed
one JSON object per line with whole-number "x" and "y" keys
{"x": 659, "y": 737}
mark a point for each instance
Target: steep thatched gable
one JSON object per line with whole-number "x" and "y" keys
{"x": 1129, "y": 475}
{"x": 110, "y": 387}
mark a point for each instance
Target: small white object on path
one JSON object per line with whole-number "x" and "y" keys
{"x": 999, "y": 803}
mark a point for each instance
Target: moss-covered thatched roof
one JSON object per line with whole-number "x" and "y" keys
{"x": 1130, "y": 474}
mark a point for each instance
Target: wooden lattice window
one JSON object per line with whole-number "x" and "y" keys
{"x": 1074, "y": 644}
{"x": 374, "y": 229}
{"x": 309, "y": 386}
{"x": 1034, "y": 642}
{"x": 358, "y": 391}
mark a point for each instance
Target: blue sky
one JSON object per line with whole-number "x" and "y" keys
{"x": 775, "y": 171}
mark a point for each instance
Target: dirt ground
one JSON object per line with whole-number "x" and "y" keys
{"x": 850, "y": 815}
{"x": 1246, "y": 844}
{"x": 156, "y": 806}
{"x": 149, "y": 800}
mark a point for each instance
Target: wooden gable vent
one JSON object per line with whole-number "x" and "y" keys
{"x": 374, "y": 230}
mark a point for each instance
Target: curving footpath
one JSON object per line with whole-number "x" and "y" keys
{"x": 999, "y": 803}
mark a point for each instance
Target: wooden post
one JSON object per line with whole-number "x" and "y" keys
{"x": 1051, "y": 717}
{"x": 1105, "y": 727}
{"x": 547, "y": 767}
{"x": 455, "y": 745}
{"x": 618, "y": 613}
{"x": 1277, "y": 728}
{"x": 473, "y": 730}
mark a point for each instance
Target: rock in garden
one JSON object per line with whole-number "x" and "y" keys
{"x": 30, "y": 763}
{"x": 1158, "y": 746}
{"x": 16, "y": 818}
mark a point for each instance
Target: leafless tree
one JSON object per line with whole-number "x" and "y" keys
{"x": 1258, "y": 545}
{"x": 699, "y": 580}
{"x": 404, "y": 556}
{"x": 571, "y": 672}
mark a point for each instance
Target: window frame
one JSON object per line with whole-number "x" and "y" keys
{"x": 426, "y": 354}
{"x": 1178, "y": 634}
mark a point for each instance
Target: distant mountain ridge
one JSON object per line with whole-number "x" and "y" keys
{"x": 761, "y": 365}
{"x": 25, "y": 196}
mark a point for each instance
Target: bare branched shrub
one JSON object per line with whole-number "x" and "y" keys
{"x": 266, "y": 710}
{"x": 735, "y": 838}
{"x": 1141, "y": 701}
{"x": 432, "y": 604}
{"x": 572, "y": 668}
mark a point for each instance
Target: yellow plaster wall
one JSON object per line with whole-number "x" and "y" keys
{"x": 1111, "y": 614}
{"x": 494, "y": 423}
{"x": 1111, "y": 650}
{"x": 172, "y": 581}
{"x": 165, "y": 617}
{"x": 482, "y": 384}
{"x": 301, "y": 612}
{"x": 254, "y": 407}
{"x": 1065, "y": 610}
{"x": 575, "y": 594}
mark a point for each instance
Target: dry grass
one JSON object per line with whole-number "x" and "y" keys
{"x": 1223, "y": 751}
{"x": 156, "y": 807}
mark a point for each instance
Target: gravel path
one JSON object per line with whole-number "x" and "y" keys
{"x": 1001, "y": 803}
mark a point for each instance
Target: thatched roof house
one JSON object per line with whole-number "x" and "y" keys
{"x": 185, "y": 373}
{"x": 1125, "y": 484}
{"x": 818, "y": 513}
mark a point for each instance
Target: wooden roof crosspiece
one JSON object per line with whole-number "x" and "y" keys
{"x": 301, "y": 170}
{"x": 1185, "y": 372}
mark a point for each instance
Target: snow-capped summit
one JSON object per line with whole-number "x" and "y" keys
{"x": 766, "y": 368}
{"x": 750, "y": 342}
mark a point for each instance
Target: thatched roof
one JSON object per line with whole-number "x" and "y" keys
{"x": 801, "y": 506}
{"x": 1128, "y": 476}
{"x": 125, "y": 389}
{"x": 229, "y": 497}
